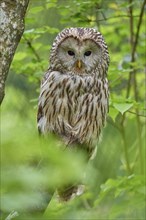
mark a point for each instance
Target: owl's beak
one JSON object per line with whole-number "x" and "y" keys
{"x": 79, "y": 64}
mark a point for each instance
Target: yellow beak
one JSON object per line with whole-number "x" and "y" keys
{"x": 79, "y": 64}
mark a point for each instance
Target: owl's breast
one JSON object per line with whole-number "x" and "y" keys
{"x": 74, "y": 106}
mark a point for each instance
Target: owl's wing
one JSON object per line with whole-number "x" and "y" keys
{"x": 39, "y": 116}
{"x": 40, "y": 113}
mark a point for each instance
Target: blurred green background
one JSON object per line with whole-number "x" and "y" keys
{"x": 115, "y": 180}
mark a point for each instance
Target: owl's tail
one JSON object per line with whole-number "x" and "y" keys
{"x": 69, "y": 192}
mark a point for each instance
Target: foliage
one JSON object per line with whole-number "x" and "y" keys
{"x": 115, "y": 183}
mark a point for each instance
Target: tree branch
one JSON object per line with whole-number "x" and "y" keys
{"x": 133, "y": 41}
{"x": 137, "y": 114}
{"x": 33, "y": 50}
{"x": 138, "y": 29}
{"x": 118, "y": 16}
{"x": 132, "y": 74}
{"x": 135, "y": 87}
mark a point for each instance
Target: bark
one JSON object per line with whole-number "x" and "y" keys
{"x": 12, "y": 13}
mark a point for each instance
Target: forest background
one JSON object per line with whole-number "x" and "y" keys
{"x": 115, "y": 180}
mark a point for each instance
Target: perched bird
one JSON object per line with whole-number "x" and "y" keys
{"x": 73, "y": 101}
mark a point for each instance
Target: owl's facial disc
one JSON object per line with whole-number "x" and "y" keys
{"x": 78, "y": 56}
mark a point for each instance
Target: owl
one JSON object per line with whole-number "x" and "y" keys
{"x": 73, "y": 101}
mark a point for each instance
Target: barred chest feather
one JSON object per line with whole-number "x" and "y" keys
{"x": 73, "y": 106}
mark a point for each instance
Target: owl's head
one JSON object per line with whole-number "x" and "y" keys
{"x": 79, "y": 51}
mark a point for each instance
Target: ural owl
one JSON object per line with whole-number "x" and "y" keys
{"x": 73, "y": 101}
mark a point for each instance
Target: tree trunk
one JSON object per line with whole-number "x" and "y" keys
{"x": 12, "y": 13}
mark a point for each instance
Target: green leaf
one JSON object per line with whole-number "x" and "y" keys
{"x": 20, "y": 56}
{"x": 51, "y": 5}
{"x": 113, "y": 112}
{"x": 122, "y": 107}
{"x": 36, "y": 9}
{"x": 29, "y": 31}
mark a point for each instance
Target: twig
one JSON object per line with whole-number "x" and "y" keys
{"x": 129, "y": 170}
{"x": 137, "y": 152}
{"x": 138, "y": 28}
{"x": 13, "y": 214}
{"x": 96, "y": 14}
{"x": 131, "y": 42}
{"x": 137, "y": 114}
{"x": 119, "y": 16}
{"x": 132, "y": 74}
{"x": 134, "y": 41}
{"x": 33, "y": 50}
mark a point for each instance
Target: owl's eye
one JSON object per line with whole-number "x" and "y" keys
{"x": 71, "y": 53}
{"x": 87, "y": 53}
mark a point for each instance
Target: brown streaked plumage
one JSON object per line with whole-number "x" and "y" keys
{"x": 73, "y": 100}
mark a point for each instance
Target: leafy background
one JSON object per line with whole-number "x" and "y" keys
{"x": 115, "y": 180}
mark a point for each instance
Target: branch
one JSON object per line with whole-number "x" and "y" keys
{"x": 118, "y": 16}
{"x": 133, "y": 46}
{"x": 134, "y": 42}
{"x": 132, "y": 74}
{"x": 13, "y": 214}
{"x": 138, "y": 29}
{"x": 32, "y": 48}
{"x": 137, "y": 114}
{"x": 12, "y": 27}
{"x": 125, "y": 144}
